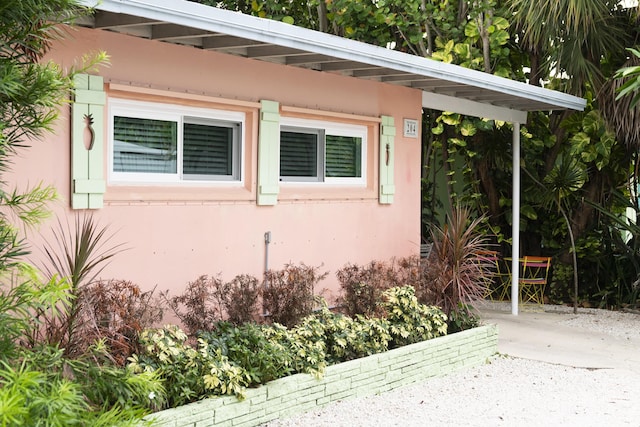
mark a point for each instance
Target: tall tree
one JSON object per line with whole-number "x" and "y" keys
{"x": 569, "y": 38}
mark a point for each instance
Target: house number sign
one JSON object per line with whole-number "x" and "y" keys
{"x": 410, "y": 128}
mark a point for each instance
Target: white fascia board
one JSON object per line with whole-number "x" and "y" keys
{"x": 467, "y": 107}
{"x": 195, "y": 15}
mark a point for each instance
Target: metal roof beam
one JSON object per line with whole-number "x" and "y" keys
{"x": 272, "y": 51}
{"x": 379, "y": 72}
{"x": 167, "y": 32}
{"x": 407, "y": 77}
{"x": 471, "y": 108}
{"x": 437, "y": 84}
{"x": 107, "y": 20}
{"x": 346, "y": 66}
{"x": 310, "y": 58}
{"x": 226, "y": 42}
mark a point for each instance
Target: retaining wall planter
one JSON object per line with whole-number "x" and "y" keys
{"x": 361, "y": 377}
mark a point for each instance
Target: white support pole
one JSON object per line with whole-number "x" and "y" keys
{"x": 515, "y": 227}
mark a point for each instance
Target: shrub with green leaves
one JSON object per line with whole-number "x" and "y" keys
{"x": 188, "y": 373}
{"x": 46, "y": 388}
{"x": 232, "y": 357}
{"x": 463, "y": 318}
{"x": 343, "y": 337}
{"x": 373, "y": 335}
{"x": 40, "y": 385}
{"x": 248, "y": 347}
{"x": 409, "y": 320}
{"x": 21, "y": 294}
{"x": 306, "y": 355}
{"x": 30, "y": 396}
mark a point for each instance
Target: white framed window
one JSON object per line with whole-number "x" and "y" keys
{"x": 317, "y": 151}
{"x": 167, "y": 143}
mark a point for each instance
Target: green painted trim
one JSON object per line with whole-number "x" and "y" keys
{"x": 89, "y": 186}
{"x": 387, "y": 159}
{"x": 388, "y": 189}
{"x": 269, "y": 153}
{"x": 87, "y": 165}
{"x": 90, "y": 97}
{"x": 265, "y": 189}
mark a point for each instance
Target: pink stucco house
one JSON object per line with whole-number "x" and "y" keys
{"x": 220, "y": 136}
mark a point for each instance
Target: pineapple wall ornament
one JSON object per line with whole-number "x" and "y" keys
{"x": 89, "y": 135}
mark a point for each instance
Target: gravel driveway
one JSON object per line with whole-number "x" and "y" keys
{"x": 511, "y": 391}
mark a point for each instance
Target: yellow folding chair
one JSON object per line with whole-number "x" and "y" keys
{"x": 503, "y": 287}
{"x": 492, "y": 276}
{"x": 533, "y": 280}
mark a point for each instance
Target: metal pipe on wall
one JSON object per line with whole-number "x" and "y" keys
{"x": 267, "y": 241}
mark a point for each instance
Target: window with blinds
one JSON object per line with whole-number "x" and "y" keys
{"x": 155, "y": 142}
{"x": 299, "y": 155}
{"x": 144, "y": 145}
{"x": 321, "y": 154}
{"x": 208, "y": 150}
{"x": 343, "y": 156}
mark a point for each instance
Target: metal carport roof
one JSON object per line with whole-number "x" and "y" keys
{"x": 444, "y": 85}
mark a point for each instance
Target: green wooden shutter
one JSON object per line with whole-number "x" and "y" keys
{"x": 269, "y": 153}
{"x": 387, "y": 136}
{"x": 87, "y": 143}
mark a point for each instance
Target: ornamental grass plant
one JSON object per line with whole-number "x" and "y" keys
{"x": 455, "y": 274}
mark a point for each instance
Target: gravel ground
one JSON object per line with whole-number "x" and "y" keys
{"x": 506, "y": 392}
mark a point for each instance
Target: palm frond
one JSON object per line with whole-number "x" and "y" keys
{"x": 572, "y": 35}
{"x": 621, "y": 111}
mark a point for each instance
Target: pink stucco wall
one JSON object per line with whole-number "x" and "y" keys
{"x": 176, "y": 233}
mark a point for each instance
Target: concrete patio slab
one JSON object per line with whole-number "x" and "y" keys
{"x": 544, "y": 336}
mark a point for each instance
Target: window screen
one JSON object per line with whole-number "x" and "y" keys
{"x": 343, "y": 156}
{"x": 207, "y": 150}
{"x": 299, "y": 154}
{"x": 144, "y": 145}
